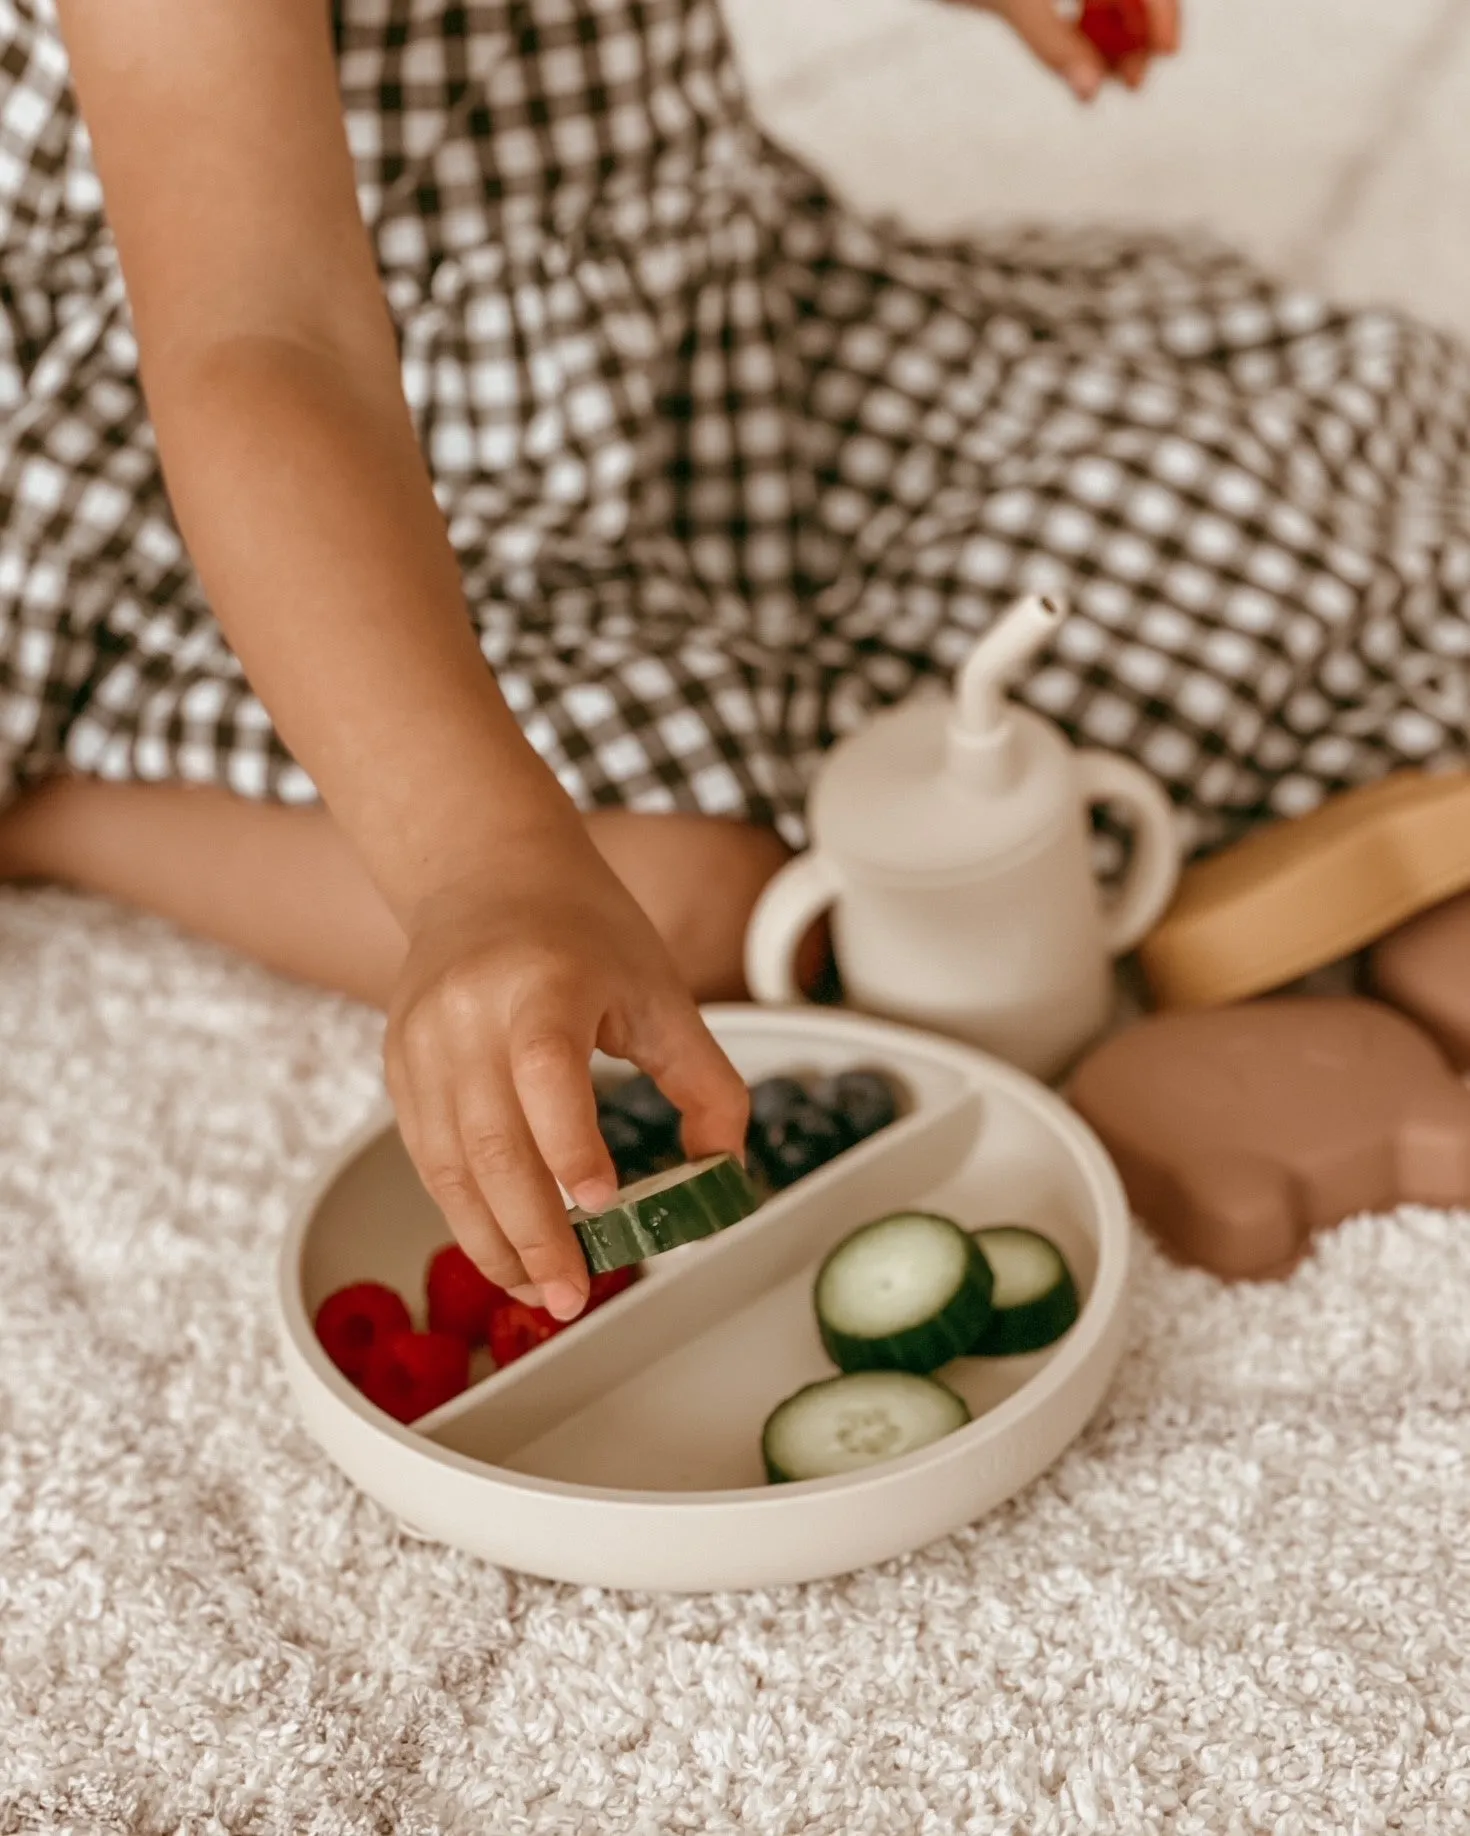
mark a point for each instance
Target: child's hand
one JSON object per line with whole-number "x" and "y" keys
{"x": 1075, "y": 58}
{"x": 513, "y": 976}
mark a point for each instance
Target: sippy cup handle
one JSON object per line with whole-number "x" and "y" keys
{"x": 790, "y": 904}
{"x": 1153, "y": 872}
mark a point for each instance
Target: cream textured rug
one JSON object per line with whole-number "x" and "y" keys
{"x": 1242, "y": 1603}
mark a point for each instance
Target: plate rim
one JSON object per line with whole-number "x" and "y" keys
{"x": 306, "y": 1360}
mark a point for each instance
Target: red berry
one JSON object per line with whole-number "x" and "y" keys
{"x": 414, "y": 1372}
{"x": 1117, "y": 27}
{"x": 460, "y": 1298}
{"x": 352, "y": 1322}
{"x": 613, "y": 1281}
{"x": 516, "y": 1329}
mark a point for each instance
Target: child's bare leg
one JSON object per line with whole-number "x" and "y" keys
{"x": 278, "y": 884}
{"x": 281, "y": 884}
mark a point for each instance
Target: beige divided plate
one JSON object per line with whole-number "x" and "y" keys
{"x": 626, "y": 1452}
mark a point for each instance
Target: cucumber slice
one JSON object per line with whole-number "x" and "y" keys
{"x": 844, "y": 1423}
{"x": 906, "y": 1293}
{"x": 1035, "y": 1298}
{"x": 665, "y": 1211}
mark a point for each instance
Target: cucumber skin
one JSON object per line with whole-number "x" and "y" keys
{"x": 1032, "y": 1327}
{"x": 951, "y": 1333}
{"x": 1036, "y": 1324}
{"x": 626, "y": 1234}
{"x": 776, "y": 1475}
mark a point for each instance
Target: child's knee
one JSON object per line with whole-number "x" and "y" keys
{"x": 697, "y": 878}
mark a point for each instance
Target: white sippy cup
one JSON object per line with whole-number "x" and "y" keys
{"x": 950, "y": 843}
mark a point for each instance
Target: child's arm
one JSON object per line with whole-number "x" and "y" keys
{"x": 272, "y": 376}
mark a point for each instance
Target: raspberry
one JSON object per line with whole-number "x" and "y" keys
{"x": 460, "y": 1298}
{"x": 516, "y": 1329}
{"x": 1117, "y": 27}
{"x": 414, "y": 1372}
{"x": 352, "y": 1322}
{"x": 603, "y": 1287}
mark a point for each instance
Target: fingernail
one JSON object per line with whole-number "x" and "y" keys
{"x": 1086, "y": 80}
{"x": 529, "y": 1296}
{"x": 595, "y": 1194}
{"x": 561, "y": 1300}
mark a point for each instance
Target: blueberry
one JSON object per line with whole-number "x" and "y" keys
{"x": 863, "y": 1101}
{"x": 785, "y": 1162}
{"x": 773, "y": 1099}
{"x": 803, "y": 1137}
{"x": 625, "y": 1142}
{"x": 648, "y": 1108}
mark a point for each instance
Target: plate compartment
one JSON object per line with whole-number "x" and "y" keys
{"x": 625, "y": 1451}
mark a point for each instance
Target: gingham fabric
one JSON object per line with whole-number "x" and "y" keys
{"x": 727, "y": 466}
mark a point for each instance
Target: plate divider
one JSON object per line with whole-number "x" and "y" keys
{"x": 509, "y": 1409}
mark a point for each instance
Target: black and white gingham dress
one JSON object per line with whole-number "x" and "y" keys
{"x": 727, "y": 466}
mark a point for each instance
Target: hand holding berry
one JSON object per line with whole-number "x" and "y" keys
{"x": 1109, "y": 37}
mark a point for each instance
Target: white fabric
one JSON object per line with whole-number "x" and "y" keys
{"x": 1239, "y": 1605}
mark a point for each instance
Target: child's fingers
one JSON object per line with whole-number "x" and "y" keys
{"x": 1133, "y": 69}
{"x": 471, "y": 1142}
{"x": 1060, "y": 46}
{"x": 549, "y": 1064}
{"x": 516, "y": 1185}
{"x": 678, "y": 1051}
{"x": 1164, "y": 24}
{"x": 427, "y": 1122}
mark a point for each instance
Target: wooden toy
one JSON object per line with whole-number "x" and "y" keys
{"x": 1298, "y": 895}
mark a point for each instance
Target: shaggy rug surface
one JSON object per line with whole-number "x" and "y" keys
{"x": 1241, "y": 1603}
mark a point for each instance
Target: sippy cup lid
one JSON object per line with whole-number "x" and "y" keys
{"x": 943, "y": 787}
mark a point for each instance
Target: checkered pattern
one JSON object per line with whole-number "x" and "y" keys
{"x": 727, "y": 467}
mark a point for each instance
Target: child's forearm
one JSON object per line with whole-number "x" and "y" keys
{"x": 300, "y": 490}
{"x": 273, "y": 381}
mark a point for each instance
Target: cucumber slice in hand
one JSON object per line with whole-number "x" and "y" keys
{"x": 846, "y": 1423}
{"x": 1035, "y": 1298}
{"x": 666, "y": 1211}
{"x": 906, "y": 1293}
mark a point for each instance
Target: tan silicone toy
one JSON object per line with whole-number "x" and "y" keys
{"x": 1424, "y": 969}
{"x": 1299, "y": 894}
{"x": 1242, "y": 1130}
